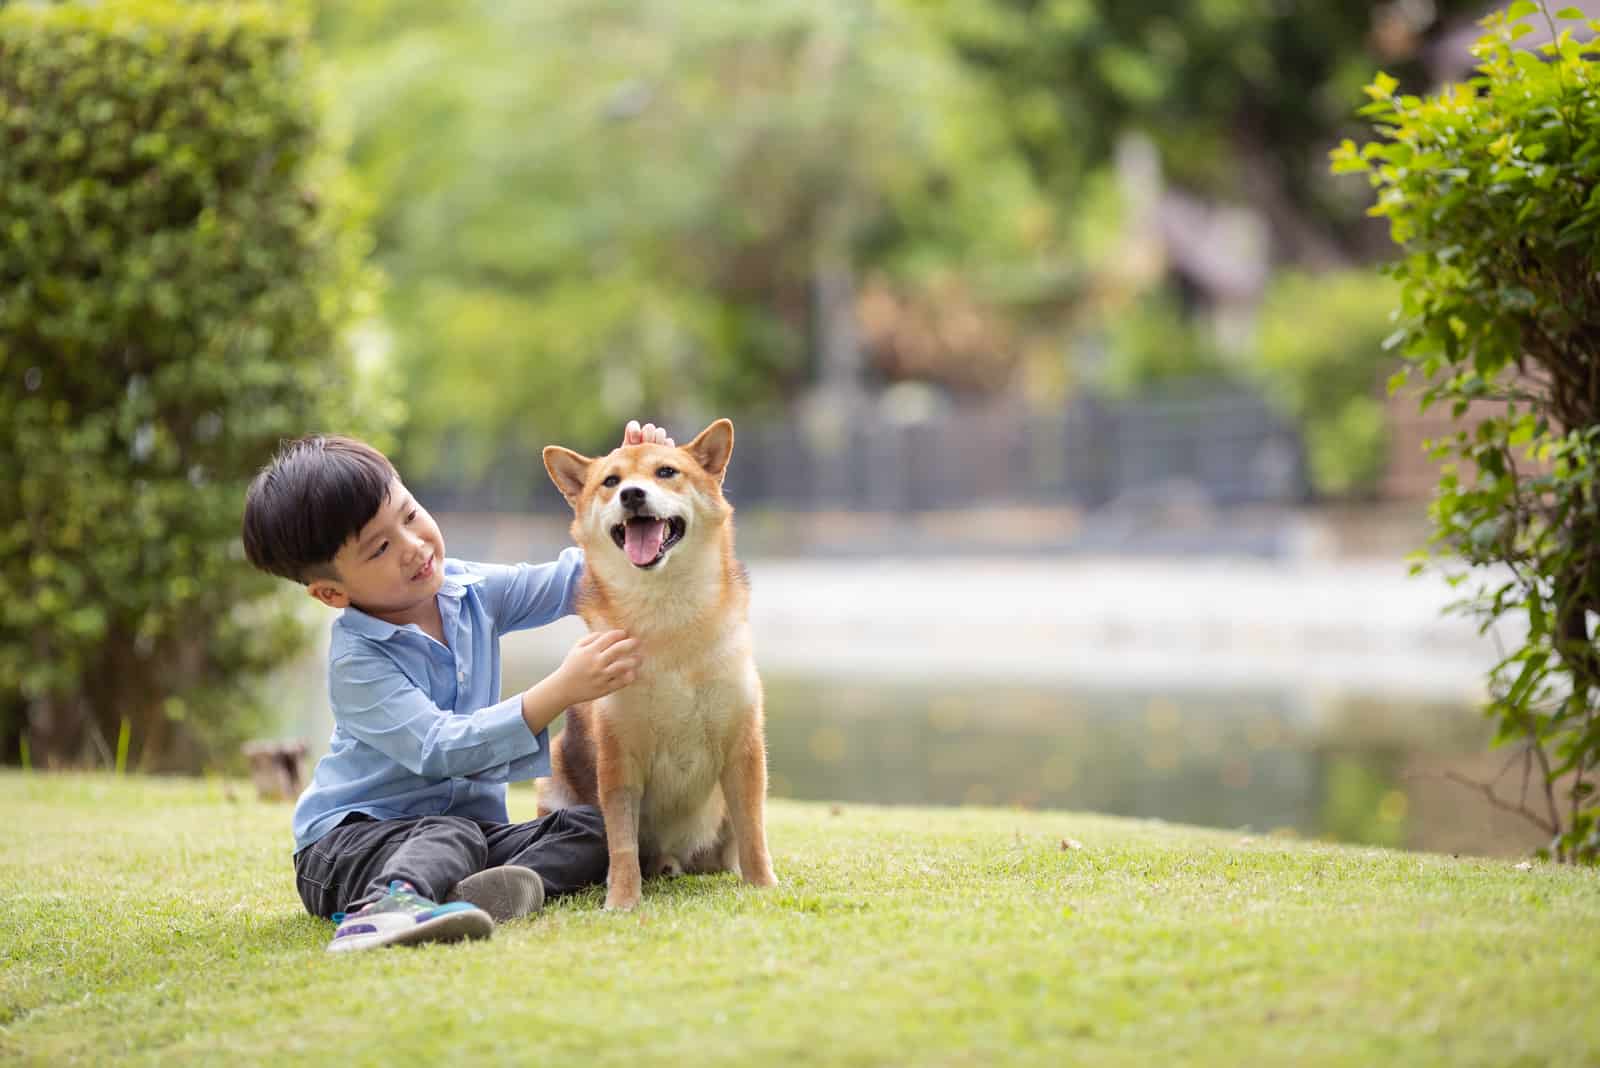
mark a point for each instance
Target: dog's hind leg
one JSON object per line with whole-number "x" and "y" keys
{"x": 721, "y": 855}
{"x": 664, "y": 866}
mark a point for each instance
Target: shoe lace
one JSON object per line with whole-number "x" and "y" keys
{"x": 397, "y": 888}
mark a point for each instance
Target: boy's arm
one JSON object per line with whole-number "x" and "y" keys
{"x": 377, "y": 704}
{"x": 530, "y": 595}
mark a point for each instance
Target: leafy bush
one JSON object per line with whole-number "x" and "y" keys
{"x": 1493, "y": 190}
{"x": 1322, "y": 360}
{"x": 175, "y": 269}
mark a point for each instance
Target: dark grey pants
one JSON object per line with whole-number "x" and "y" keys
{"x": 352, "y": 864}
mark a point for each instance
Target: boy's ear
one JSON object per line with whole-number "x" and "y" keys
{"x": 329, "y": 593}
{"x": 712, "y": 448}
{"x": 568, "y": 470}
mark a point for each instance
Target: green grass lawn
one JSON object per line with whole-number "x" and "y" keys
{"x": 155, "y": 921}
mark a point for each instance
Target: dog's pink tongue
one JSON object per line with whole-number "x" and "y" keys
{"x": 641, "y": 539}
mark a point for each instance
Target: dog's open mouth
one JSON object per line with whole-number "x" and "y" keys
{"x": 646, "y": 539}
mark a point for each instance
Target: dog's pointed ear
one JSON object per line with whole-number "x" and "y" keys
{"x": 712, "y": 448}
{"x": 568, "y": 470}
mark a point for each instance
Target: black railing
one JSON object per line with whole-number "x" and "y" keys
{"x": 1217, "y": 448}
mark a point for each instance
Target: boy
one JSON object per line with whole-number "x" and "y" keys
{"x": 403, "y": 835}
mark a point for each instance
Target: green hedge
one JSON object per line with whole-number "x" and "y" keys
{"x": 176, "y": 269}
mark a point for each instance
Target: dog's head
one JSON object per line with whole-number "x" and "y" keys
{"x": 645, "y": 501}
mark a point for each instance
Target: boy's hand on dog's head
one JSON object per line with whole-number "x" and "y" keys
{"x": 649, "y": 434}
{"x": 600, "y": 663}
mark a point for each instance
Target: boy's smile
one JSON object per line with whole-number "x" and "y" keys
{"x": 393, "y": 567}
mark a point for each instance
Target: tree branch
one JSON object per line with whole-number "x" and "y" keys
{"x": 1499, "y": 802}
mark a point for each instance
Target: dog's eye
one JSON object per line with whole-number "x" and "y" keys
{"x": 666, "y": 472}
{"x": 611, "y": 480}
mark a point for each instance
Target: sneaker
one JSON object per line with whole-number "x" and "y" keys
{"x": 404, "y": 917}
{"x": 508, "y": 892}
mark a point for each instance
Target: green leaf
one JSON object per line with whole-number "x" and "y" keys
{"x": 1383, "y": 86}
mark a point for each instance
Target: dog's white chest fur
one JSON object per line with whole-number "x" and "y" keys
{"x": 675, "y": 726}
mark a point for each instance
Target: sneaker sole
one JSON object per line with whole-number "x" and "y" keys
{"x": 506, "y": 893}
{"x": 453, "y": 927}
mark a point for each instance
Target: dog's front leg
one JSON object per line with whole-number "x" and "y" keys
{"x": 744, "y": 786}
{"x": 619, "y": 804}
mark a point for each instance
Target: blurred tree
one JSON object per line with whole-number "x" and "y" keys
{"x": 1242, "y": 97}
{"x": 1320, "y": 358}
{"x": 591, "y": 209}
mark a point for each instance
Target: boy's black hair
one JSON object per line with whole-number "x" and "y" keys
{"x": 316, "y": 494}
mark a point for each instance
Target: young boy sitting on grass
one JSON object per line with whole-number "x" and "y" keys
{"x": 403, "y": 834}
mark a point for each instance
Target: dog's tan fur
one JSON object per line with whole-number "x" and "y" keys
{"x": 677, "y": 760}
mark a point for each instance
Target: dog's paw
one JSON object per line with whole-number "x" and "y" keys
{"x": 667, "y": 866}
{"x": 621, "y": 900}
{"x": 761, "y": 879}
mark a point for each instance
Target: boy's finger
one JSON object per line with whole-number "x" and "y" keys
{"x": 610, "y": 638}
{"x": 625, "y": 648}
{"x": 671, "y": 444}
{"x": 631, "y": 434}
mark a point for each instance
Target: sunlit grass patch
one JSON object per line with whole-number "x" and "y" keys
{"x": 156, "y": 921}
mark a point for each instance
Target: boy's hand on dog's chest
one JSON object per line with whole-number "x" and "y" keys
{"x": 599, "y": 663}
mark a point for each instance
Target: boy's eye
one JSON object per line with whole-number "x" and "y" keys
{"x": 611, "y": 480}
{"x": 666, "y": 472}
{"x": 412, "y": 516}
{"x": 379, "y": 553}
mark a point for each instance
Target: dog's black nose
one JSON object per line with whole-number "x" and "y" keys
{"x": 632, "y": 497}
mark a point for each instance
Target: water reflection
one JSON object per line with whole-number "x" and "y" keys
{"x": 1346, "y": 769}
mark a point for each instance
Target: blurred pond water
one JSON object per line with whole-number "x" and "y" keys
{"x": 1352, "y": 769}
{"x": 1355, "y": 770}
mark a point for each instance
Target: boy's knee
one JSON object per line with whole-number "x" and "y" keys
{"x": 459, "y": 833}
{"x": 583, "y": 818}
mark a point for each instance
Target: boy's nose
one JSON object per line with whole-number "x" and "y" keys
{"x": 632, "y": 497}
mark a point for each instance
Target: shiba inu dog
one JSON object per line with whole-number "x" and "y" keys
{"x": 676, "y": 761}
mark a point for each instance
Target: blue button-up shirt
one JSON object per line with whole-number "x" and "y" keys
{"x": 418, "y": 727}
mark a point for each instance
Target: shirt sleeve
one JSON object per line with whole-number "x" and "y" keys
{"x": 375, "y": 701}
{"x": 530, "y": 595}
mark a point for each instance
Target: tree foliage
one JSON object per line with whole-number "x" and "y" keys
{"x": 591, "y": 210}
{"x": 1493, "y": 190}
{"x": 1242, "y": 97}
{"x": 175, "y": 271}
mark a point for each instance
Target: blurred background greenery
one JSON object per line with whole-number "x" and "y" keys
{"x": 588, "y": 209}
{"x": 1080, "y": 262}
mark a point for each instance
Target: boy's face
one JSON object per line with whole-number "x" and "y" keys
{"x": 393, "y": 567}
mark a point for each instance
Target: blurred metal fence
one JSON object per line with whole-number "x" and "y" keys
{"x": 1223, "y": 448}
{"x": 1219, "y": 448}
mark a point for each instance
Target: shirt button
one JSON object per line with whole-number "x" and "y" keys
{"x": 461, "y": 676}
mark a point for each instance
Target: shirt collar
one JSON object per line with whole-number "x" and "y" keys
{"x": 457, "y": 577}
